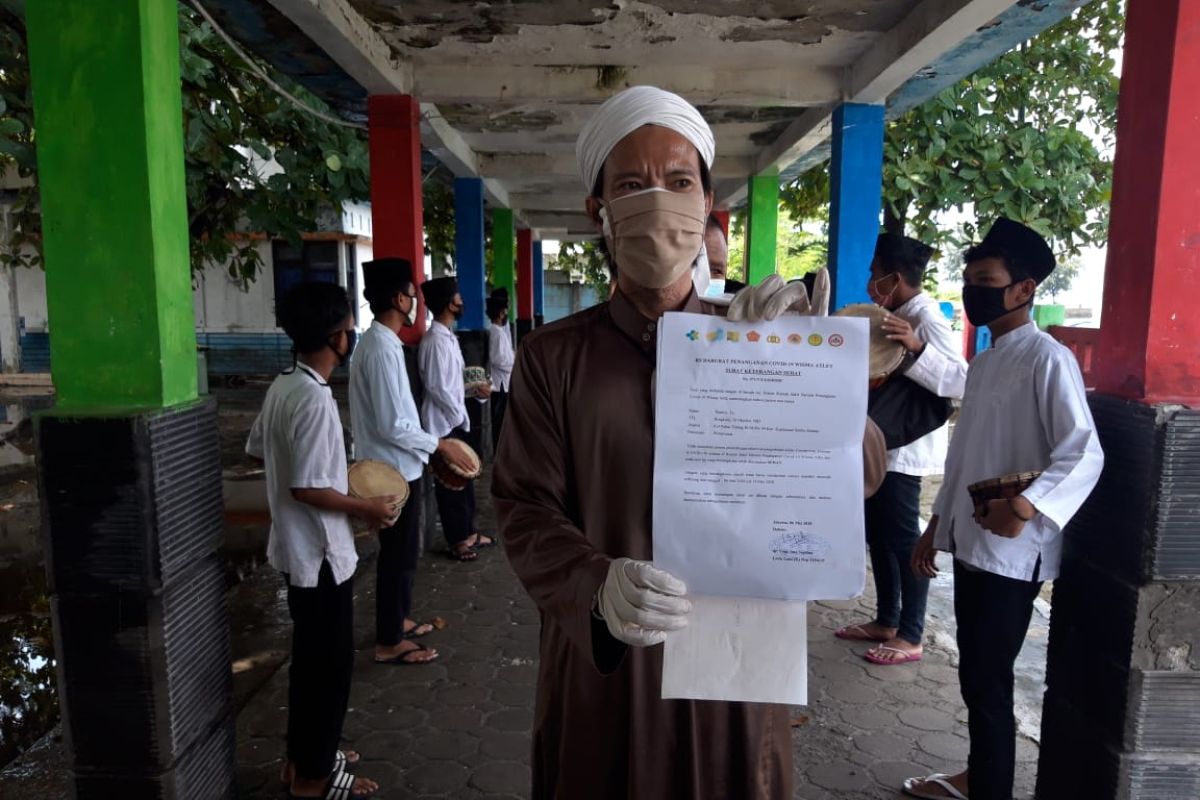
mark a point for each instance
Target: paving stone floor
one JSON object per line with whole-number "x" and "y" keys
{"x": 459, "y": 728}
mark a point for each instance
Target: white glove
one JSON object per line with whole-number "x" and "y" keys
{"x": 768, "y": 300}
{"x": 640, "y": 603}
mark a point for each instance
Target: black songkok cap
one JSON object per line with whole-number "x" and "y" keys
{"x": 439, "y": 292}
{"x": 1021, "y": 243}
{"x": 384, "y": 277}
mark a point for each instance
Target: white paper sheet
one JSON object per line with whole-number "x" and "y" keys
{"x": 740, "y": 649}
{"x": 758, "y": 485}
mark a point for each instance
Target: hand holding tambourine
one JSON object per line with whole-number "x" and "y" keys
{"x": 371, "y": 480}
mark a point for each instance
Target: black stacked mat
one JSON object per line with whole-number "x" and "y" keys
{"x": 133, "y": 518}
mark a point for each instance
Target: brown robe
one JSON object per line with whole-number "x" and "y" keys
{"x": 573, "y": 483}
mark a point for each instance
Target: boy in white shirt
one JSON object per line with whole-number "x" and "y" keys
{"x": 387, "y": 428}
{"x": 444, "y": 411}
{"x": 935, "y": 363}
{"x": 500, "y": 358}
{"x": 298, "y": 435}
{"x": 1024, "y": 410}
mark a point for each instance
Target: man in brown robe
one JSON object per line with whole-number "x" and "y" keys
{"x": 573, "y": 487}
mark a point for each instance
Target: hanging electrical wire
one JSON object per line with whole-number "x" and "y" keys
{"x": 261, "y": 73}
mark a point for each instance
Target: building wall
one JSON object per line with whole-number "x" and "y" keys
{"x": 563, "y": 298}
{"x": 235, "y": 325}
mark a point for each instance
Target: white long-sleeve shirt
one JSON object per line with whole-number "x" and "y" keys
{"x": 383, "y": 414}
{"x": 1024, "y": 410}
{"x": 942, "y": 370}
{"x": 441, "y": 361}
{"x": 500, "y": 356}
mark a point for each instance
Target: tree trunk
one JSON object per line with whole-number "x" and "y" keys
{"x": 893, "y": 223}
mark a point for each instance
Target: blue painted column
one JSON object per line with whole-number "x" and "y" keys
{"x": 856, "y": 185}
{"x": 539, "y": 284}
{"x": 469, "y": 252}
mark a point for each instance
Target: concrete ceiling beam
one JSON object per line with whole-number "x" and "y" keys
{"x": 449, "y": 147}
{"x": 531, "y": 166}
{"x": 339, "y": 30}
{"x": 931, "y": 29}
{"x": 557, "y": 201}
{"x": 702, "y": 85}
{"x": 350, "y": 40}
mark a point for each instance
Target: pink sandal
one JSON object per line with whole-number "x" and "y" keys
{"x": 908, "y": 658}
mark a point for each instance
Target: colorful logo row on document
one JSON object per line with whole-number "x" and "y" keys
{"x": 719, "y": 335}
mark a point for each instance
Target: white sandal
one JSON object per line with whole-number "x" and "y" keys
{"x": 938, "y": 779}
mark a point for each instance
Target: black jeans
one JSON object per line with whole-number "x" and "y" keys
{"x": 993, "y": 615}
{"x": 456, "y": 508}
{"x": 892, "y": 531}
{"x": 396, "y": 570}
{"x": 320, "y": 673}
{"x": 499, "y": 402}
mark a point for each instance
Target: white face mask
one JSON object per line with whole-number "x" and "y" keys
{"x": 655, "y": 235}
{"x": 411, "y": 314}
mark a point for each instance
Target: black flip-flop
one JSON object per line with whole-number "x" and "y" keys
{"x": 341, "y": 787}
{"x": 491, "y": 543}
{"x": 467, "y": 553}
{"x": 401, "y": 659}
{"x": 412, "y": 634}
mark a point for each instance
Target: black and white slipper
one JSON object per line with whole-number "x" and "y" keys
{"x": 341, "y": 787}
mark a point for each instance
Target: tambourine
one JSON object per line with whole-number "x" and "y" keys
{"x": 884, "y": 355}
{"x": 473, "y": 379}
{"x": 1006, "y": 487}
{"x": 451, "y": 476}
{"x": 369, "y": 479}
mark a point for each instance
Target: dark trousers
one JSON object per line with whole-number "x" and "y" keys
{"x": 456, "y": 508}
{"x": 992, "y": 613}
{"x": 892, "y": 531}
{"x": 396, "y": 570}
{"x": 499, "y": 401}
{"x": 319, "y": 676}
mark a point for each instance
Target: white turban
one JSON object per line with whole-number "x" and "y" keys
{"x": 624, "y": 113}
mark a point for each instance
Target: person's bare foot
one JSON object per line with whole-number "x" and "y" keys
{"x": 362, "y": 787}
{"x": 895, "y": 650}
{"x": 415, "y": 630}
{"x": 922, "y": 787}
{"x": 348, "y": 758}
{"x": 407, "y": 651}
{"x": 866, "y": 632}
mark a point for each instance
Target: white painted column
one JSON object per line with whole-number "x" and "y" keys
{"x": 10, "y": 312}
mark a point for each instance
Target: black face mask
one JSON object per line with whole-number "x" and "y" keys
{"x": 351, "y": 340}
{"x": 985, "y": 304}
{"x": 457, "y": 311}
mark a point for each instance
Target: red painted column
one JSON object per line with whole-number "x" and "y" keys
{"x": 1149, "y": 347}
{"x": 394, "y": 132}
{"x": 723, "y": 216}
{"x": 524, "y": 281}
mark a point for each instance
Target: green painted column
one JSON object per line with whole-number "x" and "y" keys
{"x": 107, "y": 105}
{"x": 504, "y": 255}
{"x": 762, "y": 221}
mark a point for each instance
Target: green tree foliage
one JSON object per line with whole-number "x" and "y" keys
{"x": 254, "y": 161}
{"x": 1029, "y": 137}
{"x": 797, "y": 251}
{"x": 1060, "y": 280}
{"x": 586, "y": 260}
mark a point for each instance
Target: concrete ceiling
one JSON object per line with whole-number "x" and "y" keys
{"x": 506, "y": 86}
